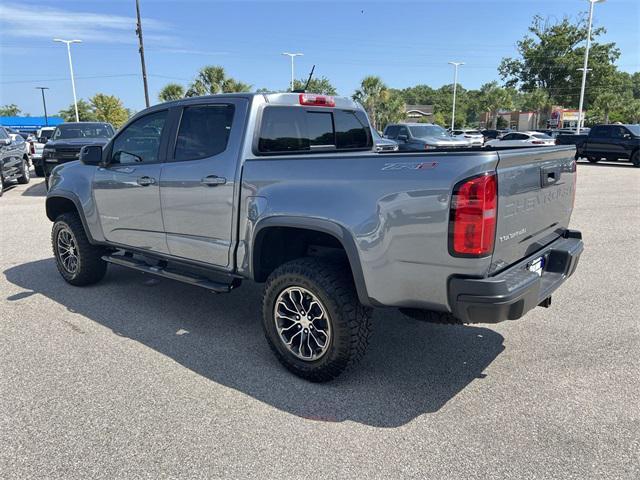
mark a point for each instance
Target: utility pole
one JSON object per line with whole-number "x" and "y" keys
{"x": 44, "y": 104}
{"x": 292, "y": 56}
{"x": 455, "y": 87}
{"x": 141, "y": 50}
{"x": 73, "y": 82}
{"x": 586, "y": 64}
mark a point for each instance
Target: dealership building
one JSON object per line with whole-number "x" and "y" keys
{"x": 30, "y": 124}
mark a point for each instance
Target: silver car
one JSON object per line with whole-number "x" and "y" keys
{"x": 423, "y": 136}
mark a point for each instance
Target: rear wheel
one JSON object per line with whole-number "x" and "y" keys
{"x": 38, "y": 170}
{"x": 25, "y": 175}
{"x": 1, "y": 184}
{"x": 79, "y": 262}
{"x": 313, "y": 320}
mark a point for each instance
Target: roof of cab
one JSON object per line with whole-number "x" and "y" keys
{"x": 271, "y": 98}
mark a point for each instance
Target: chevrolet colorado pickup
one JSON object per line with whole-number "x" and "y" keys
{"x": 609, "y": 142}
{"x": 286, "y": 189}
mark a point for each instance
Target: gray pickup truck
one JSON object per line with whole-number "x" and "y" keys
{"x": 286, "y": 189}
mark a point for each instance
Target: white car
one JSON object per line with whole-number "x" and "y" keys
{"x": 474, "y": 137}
{"x": 42, "y": 134}
{"x": 522, "y": 139}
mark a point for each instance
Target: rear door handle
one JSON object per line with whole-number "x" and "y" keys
{"x": 213, "y": 180}
{"x": 146, "y": 181}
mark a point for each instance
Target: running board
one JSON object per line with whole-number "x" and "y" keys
{"x": 130, "y": 262}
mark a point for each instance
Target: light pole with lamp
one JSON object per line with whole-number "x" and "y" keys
{"x": 73, "y": 82}
{"x": 455, "y": 87}
{"x": 292, "y": 56}
{"x": 586, "y": 64}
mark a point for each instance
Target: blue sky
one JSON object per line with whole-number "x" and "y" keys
{"x": 406, "y": 43}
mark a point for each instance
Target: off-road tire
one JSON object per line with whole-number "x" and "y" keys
{"x": 39, "y": 171}
{"x": 593, "y": 159}
{"x": 26, "y": 175}
{"x": 635, "y": 159}
{"x": 1, "y": 184}
{"x": 350, "y": 321}
{"x": 90, "y": 266}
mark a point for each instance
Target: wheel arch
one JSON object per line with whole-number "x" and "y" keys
{"x": 332, "y": 230}
{"x": 61, "y": 203}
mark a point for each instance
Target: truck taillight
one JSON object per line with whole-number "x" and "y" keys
{"x": 473, "y": 216}
{"x": 32, "y": 148}
{"x": 317, "y": 100}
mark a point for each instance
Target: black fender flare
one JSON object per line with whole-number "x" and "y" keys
{"x": 76, "y": 202}
{"x": 329, "y": 227}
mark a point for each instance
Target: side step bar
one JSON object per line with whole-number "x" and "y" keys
{"x": 130, "y": 262}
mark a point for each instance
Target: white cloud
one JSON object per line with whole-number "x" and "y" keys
{"x": 18, "y": 21}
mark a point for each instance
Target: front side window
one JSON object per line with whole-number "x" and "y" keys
{"x": 140, "y": 141}
{"x": 3, "y": 134}
{"x": 618, "y": 132}
{"x": 204, "y": 131}
{"x": 392, "y": 131}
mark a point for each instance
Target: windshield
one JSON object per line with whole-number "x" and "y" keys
{"x": 635, "y": 129}
{"x": 542, "y": 136}
{"x": 90, "y": 130}
{"x": 421, "y": 131}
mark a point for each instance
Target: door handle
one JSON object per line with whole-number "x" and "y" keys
{"x": 146, "y": 181}
{"x": 213, "y": 180}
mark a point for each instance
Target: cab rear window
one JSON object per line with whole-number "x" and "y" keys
{"x": 297, "y": 129}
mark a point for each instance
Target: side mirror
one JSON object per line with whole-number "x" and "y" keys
{"x": 402, "y": 138}
{"x": 626, "y": 136}
{"x": 91, "y": 155}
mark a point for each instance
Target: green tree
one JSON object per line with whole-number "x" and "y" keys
{"x": 109, "y": 108}
{"x": 494, "y": 98}
{"x": 370, "y": 97}
{"x": 11, "y": 110}
{"x": 85, "y": 112}
{"x": 171, "y": 91}
{"x": 550, "y": 56}
{"x": 631, "y": 111}
{"x": 212, "y": 79}
{"x": 391, "y": 109}
{"x": 320, "y": 86}
{"x": 537, "y": 101}
{"x": 605, "y": 104}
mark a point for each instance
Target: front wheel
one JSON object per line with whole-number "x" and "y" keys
{"x": 593, "y": 159}
{"x": 635, "y": 159}
{"x": 25, "y": 175}
{"x": 313, "y": 320}
{"x": 79, "y": 262}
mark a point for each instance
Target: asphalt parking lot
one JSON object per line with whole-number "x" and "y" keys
{"x": 144, "y": 378}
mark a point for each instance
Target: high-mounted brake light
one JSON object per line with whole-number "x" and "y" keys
{"x": 473, "y": 216}
{"x": 317, "y": 100}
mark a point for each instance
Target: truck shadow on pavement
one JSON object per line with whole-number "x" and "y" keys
{"x": 38, "y": 189}
{"x": 411, "y": 368}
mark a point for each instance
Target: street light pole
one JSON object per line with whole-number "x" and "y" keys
{"x": 455, "y": 88}
{"x": 141, "y": 50}
{"x": 292, "y": 56}
{"x": 73, "y": 82}
{"x": 586, "y": 64}
{"x": 44, "y": 104}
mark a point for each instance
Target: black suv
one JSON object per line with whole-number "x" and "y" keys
{"x": 13, "y": 164}
{"x": 67, "y": 140}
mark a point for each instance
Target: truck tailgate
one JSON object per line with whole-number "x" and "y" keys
{"x": 536, "y": 189}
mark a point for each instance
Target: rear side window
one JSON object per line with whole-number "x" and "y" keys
{"x": 204, "y": 131}
{"x": 295, "y": 129}
{"x": 602, "y": 131}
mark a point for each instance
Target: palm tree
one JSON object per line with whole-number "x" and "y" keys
{"x": 537, "y": 100}
{"x": 212, "y": 79}
{"x": 605, "y": 103}
{"x": 171, "y": 91}
{"x": 230, "y": 85}
{"x": 370, "y": 96}
{"x": 494, "y": 98}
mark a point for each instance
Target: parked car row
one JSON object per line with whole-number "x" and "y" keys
{"x": 14, "y": 160}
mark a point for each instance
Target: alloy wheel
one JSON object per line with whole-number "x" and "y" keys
{"x": 67, "y": 251}
{"x": 302, "y": 323}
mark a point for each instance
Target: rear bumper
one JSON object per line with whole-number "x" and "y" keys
{"x": 512, "y": 293}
